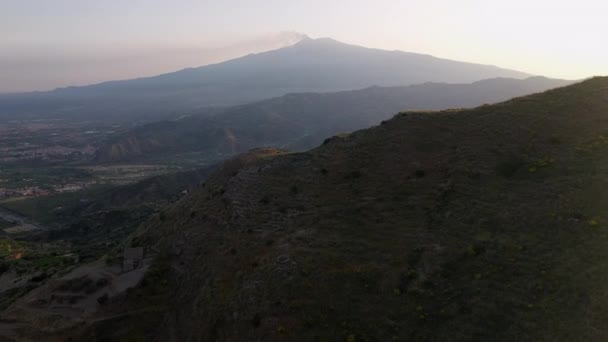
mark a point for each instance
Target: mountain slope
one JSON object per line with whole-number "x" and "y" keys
{"x": 112, "y": 214}
{"x": 96, "y": 220}
{"x": 310, "y": 65}
{"x": 302, "y": 121}
{"x": 478, "y": 224}
{"x": 460, "y": 225}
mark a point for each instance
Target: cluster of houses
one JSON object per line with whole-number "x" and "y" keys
{"x": 23, "y": 192}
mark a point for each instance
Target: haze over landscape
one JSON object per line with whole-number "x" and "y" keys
{"x": 312, "y": 171}
{"x": 47, "y": 44}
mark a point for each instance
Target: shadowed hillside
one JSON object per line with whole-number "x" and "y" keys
{"x": 96, "y": 220}
{"x": 480, "y": 224}
{"x": 302, "y": 121}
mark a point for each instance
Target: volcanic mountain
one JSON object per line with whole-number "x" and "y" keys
{"x": 311, "y": 65}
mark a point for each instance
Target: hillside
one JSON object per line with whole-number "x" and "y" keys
{"x": 302, "y": 121}
{"x": 479, "y": 224}
{"x": 317, "y": 65}
{"x": 96, "y": 220}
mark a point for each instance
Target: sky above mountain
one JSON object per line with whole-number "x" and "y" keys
{"x": 47, "y": 44}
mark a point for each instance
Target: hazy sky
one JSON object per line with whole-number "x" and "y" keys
{"x": 49, "y": 43}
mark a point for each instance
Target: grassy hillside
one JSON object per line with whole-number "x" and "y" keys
{"x": 481, "y": 224}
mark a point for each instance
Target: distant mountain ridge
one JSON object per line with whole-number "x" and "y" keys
{"x": 311, "y": 65}
{"x": 301, "y": 121}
